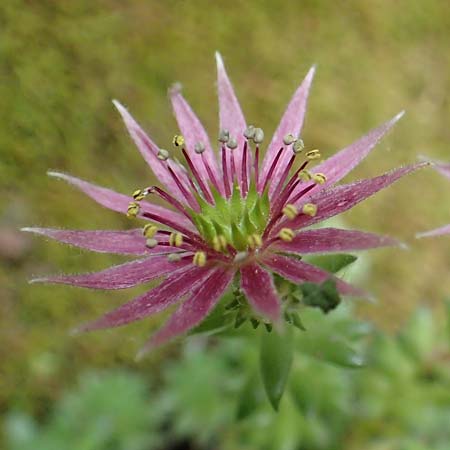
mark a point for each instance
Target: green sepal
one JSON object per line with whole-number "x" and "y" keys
{"x": 247, "y": 225}
{"x": 207, "y": 227}
{"x": 324, "y": 296}
{"x": 275, "y": 363}
{"x": 239, "y": 241}
{"x": 235, "y": 204}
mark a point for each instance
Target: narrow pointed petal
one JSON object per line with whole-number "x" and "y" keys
{"x": 437, "y": 232}
{"x": 193, "y": 133}
{"x": 193, "y": 310}
{"x": 291, "y": 123}
{"x": 443, "y": 169}
{"x": 130, "y": 242}
{"x": 340, "y": 198}
{"x": 343, "y": 162}
{"x": 260, "y": 291}
{"x": 299, "y": 272}
{"x": 149, "y": 151}
{"x": 118, "y": 202}
{"x": 230, "y": 113}
{"x": 161, "y": 297}
{"x": 120, "y": 277}
{"x": 329, "y": 240}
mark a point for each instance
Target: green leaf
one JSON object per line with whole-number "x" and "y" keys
{"x": 332, "y": 263}
{"x": 275, "y": 363}
{"x": 324, "y": 296}
{"x": 249, "y": 398}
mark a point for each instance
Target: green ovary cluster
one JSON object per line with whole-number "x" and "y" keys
{"x": 237, "y": 222}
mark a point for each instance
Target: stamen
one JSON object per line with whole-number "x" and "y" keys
{"x": 149, "y": 230}
{"x": 139, "y": 194}
{"x": 163, "y": 154}
{"x": 286, "y": 234}
{"x": 305, "y": 175}
{"x": 219, "y": 243}
{"x": 226, "y": 180}
{"x": 302, "y": 193}
{"x": 244, "y": 183}
{"x": 133, "y": 209}
{"x": 224, "y": 135}
{"x": 290, "y": 211}
{"x": 151, "y": 243}
{"x": 197, "y": 176}
{"x": 199, "y": 259}
{"x": 283, "y": 177}
{"x": 313, "y": 154}
{"x": 169, "y": 199}
{"x": 178, "y": 140}
{"x": 272, "y": 168}
{"x": 254, "y": 241}
{"x": 176, "y": 239}
{"x": 187, "y": 195}
{"x": 258, "y": 137}
{"x": 310, "y": 209}
{"x": 319, "y": 178}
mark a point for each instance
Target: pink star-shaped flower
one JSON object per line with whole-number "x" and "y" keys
{"x": 227, "y": 215}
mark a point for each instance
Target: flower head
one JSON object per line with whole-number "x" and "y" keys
{"x": 443, "y": 169}
{"x": 231, "y": 215}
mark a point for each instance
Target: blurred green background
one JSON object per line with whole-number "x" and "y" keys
{"x": 61, "y": 63}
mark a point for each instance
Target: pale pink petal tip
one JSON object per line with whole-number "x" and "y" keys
{"x": 437, "y": 232}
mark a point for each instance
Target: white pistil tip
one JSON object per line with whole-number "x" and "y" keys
{"x": 249, "y": 132}
{"x": 258, "y": 136}
{"x": 232, "y": 143}
{"x": 199, "y": 148}
{"x": 310, "y": 209}
{"x": 286, "y": 234}
{"x": 224, "y": 135}
{"x": 151, "y": 243}
{"x": 298, "y": 146}
{"x": 163, "y": 154}
{"x": 174, "y": 257}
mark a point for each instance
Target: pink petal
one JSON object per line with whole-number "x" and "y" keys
{"x": 119, "y": 202}
{"x": 193, "y": 310}
{"x": 193, "y": 132}
{"x": 299, "y": 272}
{"x": 340, "y": 164}
{"x": 259, "y": 289}
{"x": 341, "y": 198}
{"x": 292, "y": 122}
{"x": 130, "y": 242}
{"x": 443, "y": 169}
{"x": 329, "y": 240}
{"x": 437, "y": 232}
{"x": 161, "y": 297}
{"x": 120, "y": 277}
{"x": 149, "y": 151}
{"x": 230, "y": 113}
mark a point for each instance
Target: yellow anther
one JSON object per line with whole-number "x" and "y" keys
{"x": 151, "y": 243}
{"x": 310, "y": 209}
{"x": 199, "y": 259}
{"x": 140, "y": 194}
{"x": 178, "y": 140}
{"x": 176, "y": 239}
{"x": 219, "y": 243}
{"x": 254, "y": 241}
{"x": 319, "y": 178}
{"x": 313, "y": 154}
{"x": 149, "y": 230}
{"x": 174, "y": 257}
{"x": 133, "y": 209}
{"x": 286, "y": 234}
{"x": 290, "y": 211}
{"x": 305, "y": 175}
